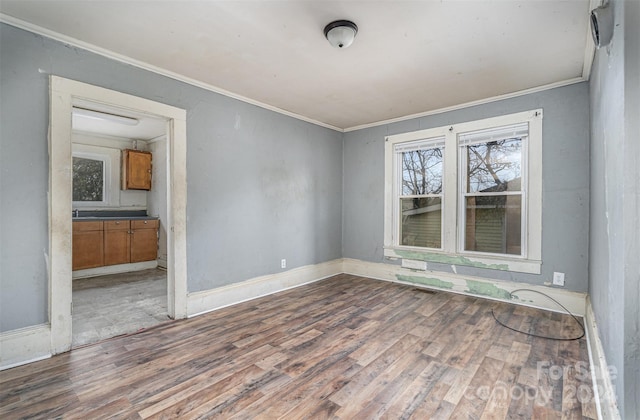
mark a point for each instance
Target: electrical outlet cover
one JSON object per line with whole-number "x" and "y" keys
{"x": 558, "y": 279}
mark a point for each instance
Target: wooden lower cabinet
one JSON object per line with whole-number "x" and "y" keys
{"x": 88, "y": 246}
{"x": 144, "y": 240}
{"x": 117, "y": 242}
{"x": 97, "y": 244}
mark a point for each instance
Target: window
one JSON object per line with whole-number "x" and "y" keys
{"x": 467, "y": 194}
{"x": 96, "y": 171}
{"x": 420, "y": 193}
{"x": 491, "y": 185}
{"x": 88, "y": 179}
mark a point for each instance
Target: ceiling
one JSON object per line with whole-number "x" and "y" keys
{"x": 409, "y": 57}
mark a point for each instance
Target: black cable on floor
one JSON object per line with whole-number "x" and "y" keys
{"x": 542, "y": 336}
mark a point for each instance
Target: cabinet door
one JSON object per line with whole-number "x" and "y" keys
{"x": 116, "y": 242}
{"x": 136, "y": 167}
{"x": 144, "y": 240}
{"x": 87, "y": 245}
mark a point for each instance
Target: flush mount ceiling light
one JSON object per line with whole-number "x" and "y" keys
{"x": 341, "y": 33}
{"x": 104, "y": 116}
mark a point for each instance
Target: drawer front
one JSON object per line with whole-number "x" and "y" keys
{"x": 86, "y": 226}
{"x": 116, "y": 225}
{"x": 144, "y": 224}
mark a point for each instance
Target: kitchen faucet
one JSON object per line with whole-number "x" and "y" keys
{"x": 75, "y": 213}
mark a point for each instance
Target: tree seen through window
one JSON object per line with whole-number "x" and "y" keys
{"x": 88, "y": 179}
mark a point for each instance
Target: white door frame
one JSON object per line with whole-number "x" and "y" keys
{"x": 63, "y": 93}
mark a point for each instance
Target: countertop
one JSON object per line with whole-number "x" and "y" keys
{"x": 103, "y": 218}
{"x": 102, "y": 215}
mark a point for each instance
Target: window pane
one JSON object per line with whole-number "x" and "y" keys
{"x": 421, "y": 223}
{"x": 494, "y": 166}
{"x": 422, "y": 172}
{"x": 493, "y": 224}
{"x": 88, "y": 179}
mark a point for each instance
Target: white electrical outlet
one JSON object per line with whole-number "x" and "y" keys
{"x": 558, "y": 278}
{"x": 283, "y": 263}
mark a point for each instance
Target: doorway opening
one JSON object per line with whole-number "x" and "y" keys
{"x": 119, "y": 241}
{"x": 170, "y": 148}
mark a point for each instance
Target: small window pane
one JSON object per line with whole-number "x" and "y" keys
{"x": 422, "y": 172}
{"x": 494, "y": 166}
{"x": 88, "y": 179}
{"x": 493, "y": 224}
{"x": 421, "y": 223}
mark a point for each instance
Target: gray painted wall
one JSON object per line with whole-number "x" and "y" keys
{"x": 565, "y": 183}
{"x": 615, "y": 203}
{"x": 261, "y": 186}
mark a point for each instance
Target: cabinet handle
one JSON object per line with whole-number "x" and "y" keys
{"x": 145, "y": 222}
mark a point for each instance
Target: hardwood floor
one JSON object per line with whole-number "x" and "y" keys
{"x": 346, "y": 347}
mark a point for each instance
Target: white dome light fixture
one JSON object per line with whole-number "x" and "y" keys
{"x": 341, "y": 33}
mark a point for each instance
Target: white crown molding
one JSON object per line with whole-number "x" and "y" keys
{"x": 470, "y": 104}
{"x": 18, "y": 23}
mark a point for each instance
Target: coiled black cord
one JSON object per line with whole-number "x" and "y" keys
{"x": 536, "y": 335}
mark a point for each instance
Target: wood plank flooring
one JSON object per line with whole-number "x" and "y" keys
{"x": 346, "y": 348}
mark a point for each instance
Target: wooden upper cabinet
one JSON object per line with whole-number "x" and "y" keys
{"x": 136, "y": 170}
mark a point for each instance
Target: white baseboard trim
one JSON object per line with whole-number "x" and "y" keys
{"x": 162, "y": 263}
{"x": 603, "y": 387}
{"x": 24, "y": 345}
{"x": 469, "y": 285}
{"x": 113, "y": 269}
{"x": 33, "y": 343}
{"x": 209, "y": 300}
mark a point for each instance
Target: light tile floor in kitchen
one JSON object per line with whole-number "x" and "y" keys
{"x": 116, "y": 304}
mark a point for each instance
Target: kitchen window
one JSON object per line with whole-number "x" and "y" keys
{"x": 95, "y": 175}
{"x": 89, "y": 180}
{"x": 467, "y": 194}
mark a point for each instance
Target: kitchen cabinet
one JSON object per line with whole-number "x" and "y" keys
{"x": 117, "y": 243}
{"x": 144, "y": 240}
{"x": 136, "y": 170}
{"x": 88, "y": 246}
{"x": 111, "y": 242}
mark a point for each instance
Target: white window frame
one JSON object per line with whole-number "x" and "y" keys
{"x": 111, "y": 159}
{"x": 437, "y": 142}
{"x": 452, "y": 251}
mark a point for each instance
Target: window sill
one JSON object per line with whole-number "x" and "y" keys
{"x": 503, "y": 264}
